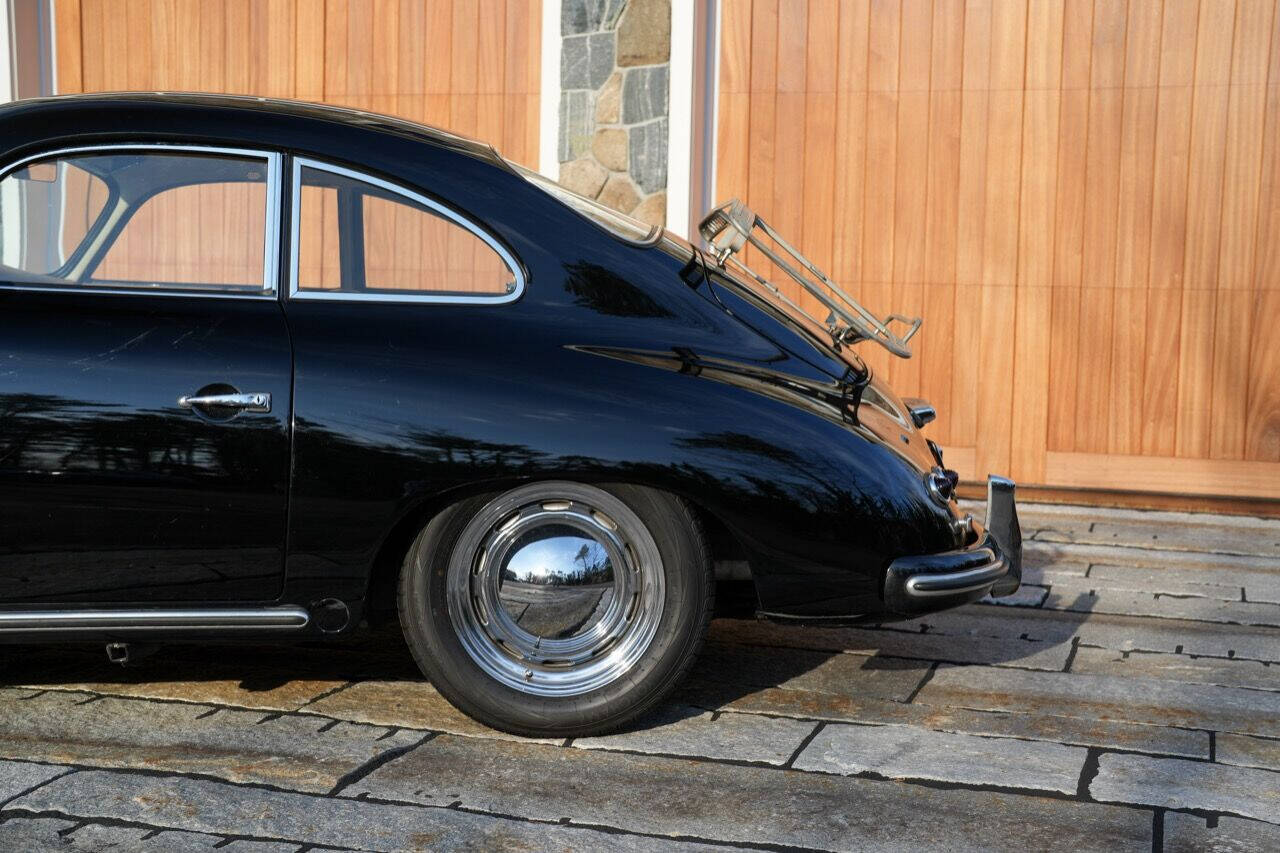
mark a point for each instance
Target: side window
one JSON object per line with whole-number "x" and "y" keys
{"x": 356, "y": 237}
{"x": 46, "y": 210}
{"x": 139, "y": 219}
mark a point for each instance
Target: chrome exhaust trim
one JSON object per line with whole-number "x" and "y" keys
{"x": 290, "y": 618}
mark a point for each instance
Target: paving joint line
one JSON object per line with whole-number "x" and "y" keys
{"x": 1071, "y": 655}
{"x": 924, "y": 679}
{"x": 81, "y": 821}
{"x": 331, "y": 691}
{"x": 364, "y": 770}
{"x": 804, "y": 744}
{"x": 4, "y": 804}
{"x": 1088, "y": 772}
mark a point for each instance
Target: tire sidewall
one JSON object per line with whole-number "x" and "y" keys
{"x": 431, "y": 636}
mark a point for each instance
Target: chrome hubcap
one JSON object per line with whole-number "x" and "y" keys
{"x": 556, "y": 589}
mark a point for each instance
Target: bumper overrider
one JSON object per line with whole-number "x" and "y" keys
{"x": 991, "y": 565}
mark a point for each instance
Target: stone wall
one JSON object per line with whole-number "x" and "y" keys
{"x": 614, "y": 82}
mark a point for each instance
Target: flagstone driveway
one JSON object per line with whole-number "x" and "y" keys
{"x": 1127, "y": 698}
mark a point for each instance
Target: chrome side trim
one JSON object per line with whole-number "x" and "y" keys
{"x": 953, "y": 583}
{"x": 295, "y": 228}
{"x": 290, "y": 618}
{"x": 271, "y": 241}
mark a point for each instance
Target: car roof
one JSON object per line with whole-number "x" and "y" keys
{"x": 249, "y": 105}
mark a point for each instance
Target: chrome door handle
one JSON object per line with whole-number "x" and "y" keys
{"x": 244, "y": 402}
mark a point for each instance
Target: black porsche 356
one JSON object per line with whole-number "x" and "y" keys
{"x": 273, "y": 370}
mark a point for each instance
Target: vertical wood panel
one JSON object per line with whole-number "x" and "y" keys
{"x": 1068, "y": 244}
{"x": 1217, "y": 28}
{"x": 1036, "y": 213}
{"x": 1129, "y": 340}
{"x": 471, "y": 67}
{"x": 1080, "y": 196}
{"x": 379, "y": 55}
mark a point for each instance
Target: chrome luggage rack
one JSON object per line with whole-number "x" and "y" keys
{"x": 729, "y": 227}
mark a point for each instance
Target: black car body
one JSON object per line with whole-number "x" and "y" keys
{"x": 131, "y": 509}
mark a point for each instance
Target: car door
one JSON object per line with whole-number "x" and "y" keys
{"x": 144, "y": 378}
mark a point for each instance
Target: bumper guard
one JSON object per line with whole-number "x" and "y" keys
{"x": 993, "y": 564}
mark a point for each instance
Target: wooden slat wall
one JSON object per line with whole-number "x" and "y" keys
{"x": 470, "y": 66}
{"x": 1082, "y": 198}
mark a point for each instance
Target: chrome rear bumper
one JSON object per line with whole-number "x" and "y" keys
{"x": 993, "y": 564}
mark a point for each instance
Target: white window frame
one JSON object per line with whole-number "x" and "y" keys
{"x": 409, "y": 296}
{"x": 271, "y": 241}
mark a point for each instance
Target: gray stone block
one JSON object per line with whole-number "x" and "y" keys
{"x": 1187, "y": 833}
{"x": 1036, "y": 725}
{"x": 612, "y": 11}
{"x": 289, "y": 751}
{"x": 1130, "y": 699}
{"x": 644, "y": 94}
{"x": 1176, "y": 784}
{"x": 18, "y": 776}
{"x": 576, "y": 125}
{"x": 1027, "y": 595}
{"x": 901, "y": 644}
{"x": 737, "y": 804}
{"x": 1047, "y": 553}
{"x": 1246, "y": 751}
{"x": 589, "y": 16}
{"x": 1105, "y": 630}
{"x": 1084, "y": 598}
{"x": 580, "y": 16}
{"x": 1177, "y": 536}
{"x": 220, "y": 808}
{"x": 97, "y": 837}
{"x": 1224, "y": 584}
{"x": 855, "y": 676}
{"x": 649, "y": 155}
{"x": 586, "y": 61}
{"x": 406, "y": 704}
{"x": 1228, "y": 673}
{"x": 681, "y": 730}
{"x": 910, "y": 752}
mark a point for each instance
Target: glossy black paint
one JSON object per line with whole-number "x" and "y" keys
{"x": 109, "y": 490}
{"x": 620, "y": 363}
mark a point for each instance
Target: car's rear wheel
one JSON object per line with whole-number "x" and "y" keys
{"x": 558, "y": 608}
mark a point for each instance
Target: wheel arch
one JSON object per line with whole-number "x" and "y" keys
{"x": 727, "y": 550}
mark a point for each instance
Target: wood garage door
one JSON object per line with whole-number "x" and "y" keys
{"x": 470, "y": 66}
{"x": 1081, "y": 198}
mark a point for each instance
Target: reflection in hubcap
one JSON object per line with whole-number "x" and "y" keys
{"x": 556, "y": 589}
{"x": 556, "y": 582}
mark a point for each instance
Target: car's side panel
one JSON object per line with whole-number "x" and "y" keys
{"x": 593, "y": 377}
{"x": 109, "y": 490}
{"x": 617, "y": 363}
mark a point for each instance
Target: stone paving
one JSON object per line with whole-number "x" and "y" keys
{"x": 1127, "y": 699}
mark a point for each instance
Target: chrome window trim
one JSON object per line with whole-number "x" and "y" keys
{"x": 271, "y": 242}
{"x": 409, "y": 296}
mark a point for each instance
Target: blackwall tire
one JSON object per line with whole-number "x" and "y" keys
{"x": 524, "y": 640}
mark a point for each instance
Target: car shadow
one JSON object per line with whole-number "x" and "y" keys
{"x": 746, "y": 664}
